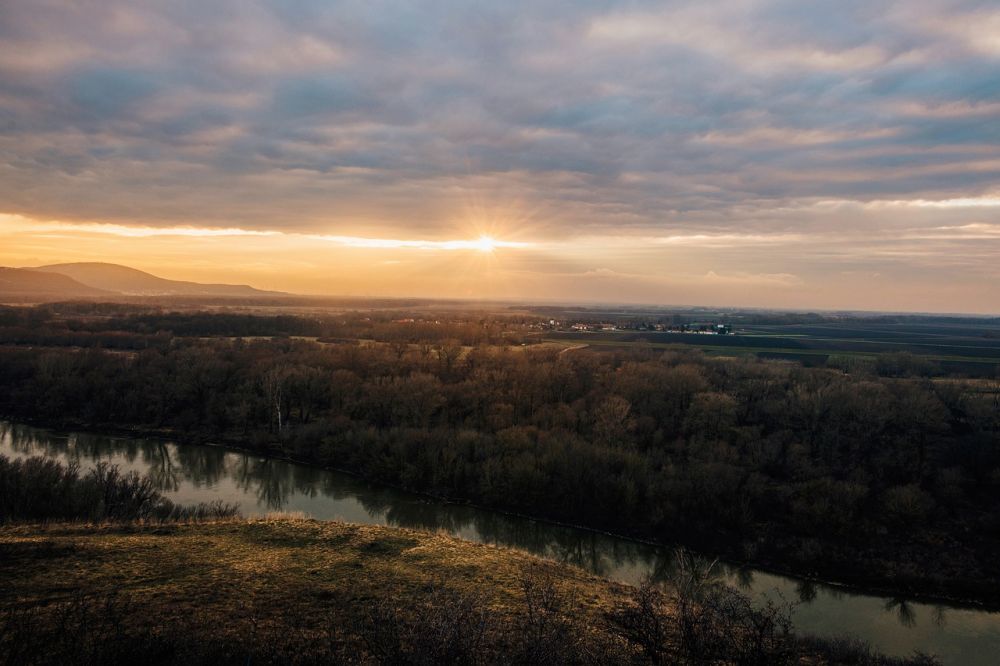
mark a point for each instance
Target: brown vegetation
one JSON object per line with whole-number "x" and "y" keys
{"x": 297, "y": 591}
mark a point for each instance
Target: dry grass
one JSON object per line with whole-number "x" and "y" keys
{"x": 307, "y": 574}
{"x": 283, "y": 589}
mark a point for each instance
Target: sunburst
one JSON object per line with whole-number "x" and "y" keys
{"x": 486, "y": 244}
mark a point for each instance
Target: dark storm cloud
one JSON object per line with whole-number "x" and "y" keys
{"x": 298, "y": 114}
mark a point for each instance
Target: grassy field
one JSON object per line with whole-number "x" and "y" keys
{"x": 291, "y": 590}
{"x": 960, "y": 350}
{"x": 212, "y": 568}
{"x": 242, "y": 583}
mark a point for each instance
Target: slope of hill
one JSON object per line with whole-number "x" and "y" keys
{"x": 30, "y": 283}
{"x": 130, "y": 281}
{"x": 281, "y": 590}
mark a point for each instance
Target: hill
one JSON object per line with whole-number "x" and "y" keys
{"x": 285, "y": 590}
{"x": 25, "y": 283}
{"x": 290, "y": 590}
{"x": 133, "y": 282}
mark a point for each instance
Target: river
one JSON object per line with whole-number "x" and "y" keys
{"x": 190, "y": 474}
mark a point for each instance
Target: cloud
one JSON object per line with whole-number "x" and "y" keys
{"x": 961, "y": 202}
{"x": 696, "y": 126}
{"x": 756, "y": 279}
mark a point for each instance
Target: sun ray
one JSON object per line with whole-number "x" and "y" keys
{"x": 486, "y": 244}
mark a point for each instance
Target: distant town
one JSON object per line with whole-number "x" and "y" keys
{"x": 701, "y": 328}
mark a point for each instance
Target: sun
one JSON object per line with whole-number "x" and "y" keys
{"x": 485, "y": 244}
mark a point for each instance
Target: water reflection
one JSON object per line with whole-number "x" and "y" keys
{"x": 904, "y": 610}
{"x": 806, "y": 591}
{"x": 162, "y": 469}
{"x": 260, "y": 485}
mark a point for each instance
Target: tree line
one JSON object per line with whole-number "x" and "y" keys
{"x": 125, "y": 326}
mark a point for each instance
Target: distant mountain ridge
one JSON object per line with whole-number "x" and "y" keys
{"x": 104, "y": 280}
{"x": 28, "y": 282}
{"x": 133, "y": 282}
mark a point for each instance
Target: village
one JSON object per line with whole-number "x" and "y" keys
{"x": 699, "y": 328}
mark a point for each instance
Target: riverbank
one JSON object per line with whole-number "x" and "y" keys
{"x": 915, "y": 572}
{"x": 294, "y": 590}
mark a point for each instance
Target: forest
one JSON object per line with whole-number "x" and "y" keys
{"x": 837, "y": 472}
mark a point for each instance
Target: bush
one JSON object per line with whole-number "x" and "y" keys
{"x": 450, "y": 627}
{"x": 714, "y": 623}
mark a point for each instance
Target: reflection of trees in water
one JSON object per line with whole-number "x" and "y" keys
{"x": 376, "y": 502}
{"x": 905, "y": 611}
{"x": 307, "y": 481}
{"x": 592, "y": 551}
{"x": 74, "y": 447}
{"x": 161, "y": 468}
{"x": 806, "y": 591}
{"x": 201, "y": 465}
{"x": 744, "y": 577}
{"x": 425, "y": 515}
{"x": 273, "y": 482}
{"x": 664, "y": 567}
{"x": 257, "y": 477}
{"x": 98, "y": 447}
{"x": 29, "y": 441}
{"x": 599, "y": 553}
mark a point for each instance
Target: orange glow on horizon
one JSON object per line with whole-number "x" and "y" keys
{"x": 479, "y": 258}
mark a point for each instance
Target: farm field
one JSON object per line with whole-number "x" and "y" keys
{"x": 964, "y": 348}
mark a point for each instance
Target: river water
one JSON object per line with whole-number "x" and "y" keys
{"x": 190, "y": 474}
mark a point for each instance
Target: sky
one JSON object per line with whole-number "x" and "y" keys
{"x": 837, "y": 155}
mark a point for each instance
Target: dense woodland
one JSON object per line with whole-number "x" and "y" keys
{"x": 846, "y": 474}
{"x": 121, "y": 326}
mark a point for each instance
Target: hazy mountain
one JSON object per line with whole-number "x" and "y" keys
{"x": 31, "y": 283}
{"x": 125, "y": 280}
